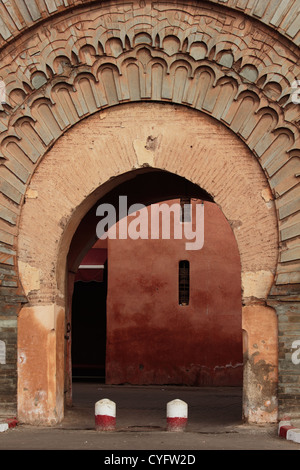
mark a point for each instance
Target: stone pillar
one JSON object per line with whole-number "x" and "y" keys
{"x": 260, "y": 364}
{"x": 41, "y": 365}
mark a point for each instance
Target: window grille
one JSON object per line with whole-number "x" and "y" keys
{"x": 184, "y": 282}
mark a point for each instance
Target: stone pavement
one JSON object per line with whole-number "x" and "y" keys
{"x": 214, "y": 423}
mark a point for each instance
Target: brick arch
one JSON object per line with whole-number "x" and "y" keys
{"x": 202, "y": 58}
{"x": 77, "y": 74}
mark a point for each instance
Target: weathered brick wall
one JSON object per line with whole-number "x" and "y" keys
{"x": 18, "y": 15}
{"x": 10, "y": 304}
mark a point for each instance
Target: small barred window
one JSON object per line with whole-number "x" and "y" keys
{"x": 184, "y": 282}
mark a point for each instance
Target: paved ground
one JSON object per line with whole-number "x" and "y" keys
{"x": 214, "y": 423}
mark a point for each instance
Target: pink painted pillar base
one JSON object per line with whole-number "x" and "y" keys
{"x": 177, "y": 415}
{"x": 105, "y": 415}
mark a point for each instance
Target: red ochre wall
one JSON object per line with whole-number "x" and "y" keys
{"x": 151, "y": 339}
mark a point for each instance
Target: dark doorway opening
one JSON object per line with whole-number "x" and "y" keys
{"x": 89, "y": 323}
{"x": 124, "y": 351}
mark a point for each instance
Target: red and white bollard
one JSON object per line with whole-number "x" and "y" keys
{"x": 105, "y": 415}
{"x": 177, "y": 415}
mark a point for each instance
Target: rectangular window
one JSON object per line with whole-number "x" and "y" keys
{"x": 185, "y": 209}
{"x": 184, "y": 282}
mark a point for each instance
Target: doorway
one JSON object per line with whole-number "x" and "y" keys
{"x": 89, "y": 317}
{"x": 129, "y": 325}
{"x": 216, "y": 166}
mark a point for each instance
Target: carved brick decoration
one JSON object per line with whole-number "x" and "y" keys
{"x": 236, "y": 64}
{"x": 18, "y": 15}
{"x": 223, "y": 65}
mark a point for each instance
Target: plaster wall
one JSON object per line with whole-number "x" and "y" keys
{"x": 151, "y": 338}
